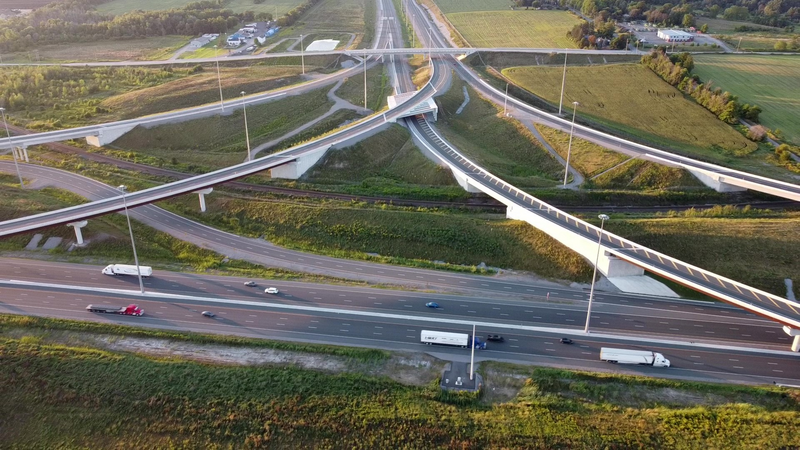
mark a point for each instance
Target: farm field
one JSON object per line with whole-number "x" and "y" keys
{"x": 337, "y": 16}
{"x": 117, "y": 7}
{"x": 455, "y": 6}
{"x": 635, "y": 104}
{"x": 362, "y": 396}
{"x": 536, "y": 29}
{"x": 722, "y": 26}
{"x": 153, "y": 48}
{"x": 770, "y": 82}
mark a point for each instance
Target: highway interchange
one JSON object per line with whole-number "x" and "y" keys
{"x": 392, "y": 319}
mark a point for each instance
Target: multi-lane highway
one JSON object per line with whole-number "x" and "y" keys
{"x": 393, "y": 319}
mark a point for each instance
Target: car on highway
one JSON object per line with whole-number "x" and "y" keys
{"x": 433, "y": 305}
{"x": 208, "y": 314}
{"x": 250, "y": 283}
{"x": 565, "y": 341}
{"x": 495, "y": 338}
{"x": 271, "y": 290}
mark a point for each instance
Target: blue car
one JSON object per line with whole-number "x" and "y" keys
{"x": 433, "y": 305}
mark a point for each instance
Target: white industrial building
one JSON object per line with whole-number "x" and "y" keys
{"x": 675, "y": 36}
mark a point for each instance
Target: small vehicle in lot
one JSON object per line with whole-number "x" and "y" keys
{"x": 250, "y": 283}
{"x": 208, "y": 314}
{"x": 433, "y": 305}
{"x": 566, "y": 341}
{"x": 495, "y": 338}
{"x": 271, "y": 290}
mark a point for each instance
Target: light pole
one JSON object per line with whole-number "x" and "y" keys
{"x": 365, "y": 81}
{"x": 246, "y": 132}
{"x": 430, "y": 41}
{"x": 413, "y": 33}
{"x": 563, "y": 82}
{"x": 603, "y": 219}
{"x": 737, "y": 45}
{"x": 569, "y": 147}
{"x": 219, "y": 79}
{"x": 123, "y": 189}
{"x": 505, "y": 101}
{"x": 472, "y": 356}
{"x": 11, "y": 146}
{"x": 302, "y": 58}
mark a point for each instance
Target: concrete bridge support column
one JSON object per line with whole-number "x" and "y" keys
{"x": 77, "y": 226}
{"x": 21, "y": 153}
{"x": 202, "y": 193}
{"x": 108, "y": 135}
{"x": 296, "y": 168}
{"x": 796, "y": 341}
{"x": 463, "y": 181}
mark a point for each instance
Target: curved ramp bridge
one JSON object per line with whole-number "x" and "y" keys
{"x": 619, "y": 257}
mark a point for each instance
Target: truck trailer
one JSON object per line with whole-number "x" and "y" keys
{"x": 130, "y": 310}
{"x": 454, "y": 339}
{"x": 127, "y": 269}
{"x": 642, "y": 357}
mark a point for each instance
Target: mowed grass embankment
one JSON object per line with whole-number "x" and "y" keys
{"x": 502, "y": 146}
{"x": 535, "y": 29}
{"x": 219, "y": 141}
{"x": 633, "y": 100}
{"x": 61, "y": 393}
{"x": 771, "y": 82}
{"x": 454, "y": 6}
{"x": 149, "y": 49}
{"x": 378, "y": 89}
{"x": 117, "y": 7}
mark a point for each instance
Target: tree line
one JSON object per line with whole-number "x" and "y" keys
{"x": 676, "y": 70}
{"x": 77, "y": 21}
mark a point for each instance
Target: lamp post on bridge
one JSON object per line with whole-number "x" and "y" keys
{"x": 246, "y": 131}
{"x": 219, "y": 78}
{"x": 124, "y": 190}
{"x": 302, "y": 57}
{"x": 11, "y": 146}
{"x": 569, "y": 147}
{"x": 603, "y": 219}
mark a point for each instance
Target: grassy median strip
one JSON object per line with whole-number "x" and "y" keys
{"x": 71, "y": 395}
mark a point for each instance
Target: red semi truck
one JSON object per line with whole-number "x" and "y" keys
{"x": 130, "y": 310}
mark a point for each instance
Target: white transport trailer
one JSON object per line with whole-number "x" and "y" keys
{"x": 455, "y": 339}
{"x": 623, "y": 356}
{"x": 126, "y": 269}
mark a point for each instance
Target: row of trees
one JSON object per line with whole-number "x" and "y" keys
{"x": 675, "y": 69}
{"x": 76, "y": 20}
{"x": 779, "y": 13}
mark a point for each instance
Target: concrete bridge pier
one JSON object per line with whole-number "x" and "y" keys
{"x": 77, "y": 226}
{"x": 21, "y": 153}
{"x": 796, "y": 342}
{"x": 202, "y": 193}
{"x": 464, "y": 182}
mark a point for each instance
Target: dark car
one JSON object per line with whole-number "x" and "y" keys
{"x": 250, "y": 283}
{"x": 495, "y": 338}
{"x": 433, "y": 305}
{"x": 566, "y": 341}
{"x": 208, "y": 314}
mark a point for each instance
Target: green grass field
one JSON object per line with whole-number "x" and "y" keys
{"x": 118, "y": 7}
{"x": 770, "y": 82}
{"x": 65, "y": 390}
{"x": 388, "y": 160}
{"x": 378, "y": 88}
{"x": 639, "y": 174}
{"x": 538, "y": 29}
{"x": 153, "y": 48}
{"x": 722, "y": 26}
{"x": 455, "y": 6}
{"x": 588, "y": 158}
{"x": 504, "y": 147}
{"x": 336, "y": 16}
{"x": 219, "y": 141}
{"x": 638, "y": 102}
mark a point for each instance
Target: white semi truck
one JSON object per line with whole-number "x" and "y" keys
{"x": 455, "y": 339}
{"x": 126, "y": 269}
{"x": 623, "y": 356}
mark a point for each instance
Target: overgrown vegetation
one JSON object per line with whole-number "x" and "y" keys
{"x": 378, "y": 88}
{"x": 56, "y": 395}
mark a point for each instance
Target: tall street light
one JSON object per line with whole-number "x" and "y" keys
{"x": 365, "y": 80}
{"x": 8, "y": 135}
{"x": 246, "y": 132}
{"x": 569, "y": 147}
{"x": 563, "y": 82}
{"x": 124, "y": 189}
{"x": 302, "y": 58}
{"x": 603, "y": 219}
{"x": 505, "y": 102}
{"x": 219, "y": 79}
